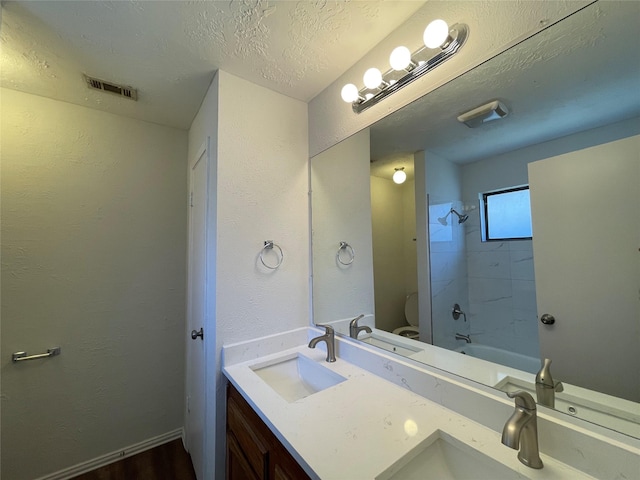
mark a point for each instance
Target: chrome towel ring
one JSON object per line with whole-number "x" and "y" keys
{"x": 350, "y": 253}
{"x": 268, "y": 245}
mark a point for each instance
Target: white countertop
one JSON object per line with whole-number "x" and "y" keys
{"x": 359, "y": 428}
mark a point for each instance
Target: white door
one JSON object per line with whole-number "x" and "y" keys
{"x": 586, "y": 237}
{"x": 196, "y": 297}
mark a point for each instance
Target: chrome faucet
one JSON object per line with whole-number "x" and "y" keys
{"x": 521, "y": 430}
{"x": 354, "y": 329}
{"x": 546, "y": 388}
{"x": 329, "y": 339}
{"x": 466, "y": 338}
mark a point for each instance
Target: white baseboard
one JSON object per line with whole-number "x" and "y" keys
{"x": 108, "y": 458}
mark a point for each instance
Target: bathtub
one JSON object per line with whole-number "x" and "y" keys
{"x": 503, "y": 357}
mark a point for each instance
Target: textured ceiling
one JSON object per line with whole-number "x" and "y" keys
{"x": 169, "y": 50}
{"x": 581, "y": 73}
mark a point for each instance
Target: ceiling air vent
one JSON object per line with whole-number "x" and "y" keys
{"x": 121, "y": 90}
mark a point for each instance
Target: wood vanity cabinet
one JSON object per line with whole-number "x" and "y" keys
{"x": 253, "y": 451}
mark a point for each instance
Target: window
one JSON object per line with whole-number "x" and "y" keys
{"x": 506, "y": 214}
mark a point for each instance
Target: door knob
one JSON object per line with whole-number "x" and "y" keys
{"x": 197, "y": 333}
{"x": 548, "y": 319}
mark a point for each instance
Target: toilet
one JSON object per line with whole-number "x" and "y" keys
{"x": 411, "y": 315}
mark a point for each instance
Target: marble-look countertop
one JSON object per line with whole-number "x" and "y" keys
{"x": 361, "y": 427}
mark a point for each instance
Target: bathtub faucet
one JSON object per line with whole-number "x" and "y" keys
{"x": 466, "y": 338}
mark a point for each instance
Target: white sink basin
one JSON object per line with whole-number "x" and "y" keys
{"x": 295, "y": 376}
{"x": 390, "y": 345}
{"x": 443, "y": 457}
{"x": 620, "y": 415}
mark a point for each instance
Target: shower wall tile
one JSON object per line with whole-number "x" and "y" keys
{"x": 490, "y": 317}
{"x": 491, "y": 264}
{"x": 524, "y": 294}
{"x": 502, "y": 304}
{"x": 526, "y": 339}
{"x": 446, "y": 265}
{"x": 521, "y": 246}
{"x": 521, "y": 265}
{"x": 483, "y": 291}
{"x": 444, "y": 296}
{"x": 478, "y": 246}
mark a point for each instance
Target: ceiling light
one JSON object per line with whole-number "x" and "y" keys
{"x": 436, "y": 34}
{"x": 488, "y": 112}
{"x": 399, "y": 176}
{"x": 441, "y": 43}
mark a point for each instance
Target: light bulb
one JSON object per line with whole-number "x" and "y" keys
{"x": 349, "y": 93}
{"x": 372, "y": 78}
{"x": 436, "y": 34}
{"x": 399, "y": 176}
{"x": 400, "y": 58}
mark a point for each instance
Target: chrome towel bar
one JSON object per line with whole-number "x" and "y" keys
{"x": 21, "y": 356}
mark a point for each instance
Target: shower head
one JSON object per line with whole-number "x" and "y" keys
{"x": 461, "y": 218}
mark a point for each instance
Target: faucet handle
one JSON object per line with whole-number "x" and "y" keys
{"x": 558, "y": 387}
{"x": 328, "y": 329}
{"x": 523, "y": 399}
{"x": 354, "y": 322}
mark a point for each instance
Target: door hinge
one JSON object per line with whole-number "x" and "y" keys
{"x": 191, "y": 199}
{"x": 188, "y": 404}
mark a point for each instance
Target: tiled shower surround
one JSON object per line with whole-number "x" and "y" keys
{"x": 501, "y": 305}
{"x": 492, "y": 281}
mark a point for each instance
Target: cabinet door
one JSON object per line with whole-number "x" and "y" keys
{"x": 286, "y": 467}
{"x": 249, "y": 439}
{"x": 253, "y": 451}
{"x": 238, "y": 467}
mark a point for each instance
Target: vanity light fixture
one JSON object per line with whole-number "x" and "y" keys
{"x": 399, "y": 176}
{"x": 440, "y": 44}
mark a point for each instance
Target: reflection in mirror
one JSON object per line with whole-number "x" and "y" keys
{"x": 425, "y": 275}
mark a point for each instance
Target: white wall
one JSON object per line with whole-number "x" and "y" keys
{"x": 93, "y": 261}
{"x": 494, "y": 26}
{"x": 262, "y": 194}
{"x": 342, "y": 213}
{"x": 262, "y": 191}
{"x": 409, "y": 240}
{"x": 394, "y": 249}
{"x": 387, "y": 219}
{"x": 260, "y": 186}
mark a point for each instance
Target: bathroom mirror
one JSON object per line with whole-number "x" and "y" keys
{"x": 570, "y": 88}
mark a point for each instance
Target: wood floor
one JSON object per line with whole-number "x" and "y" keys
{"x": 166, "y": 462}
